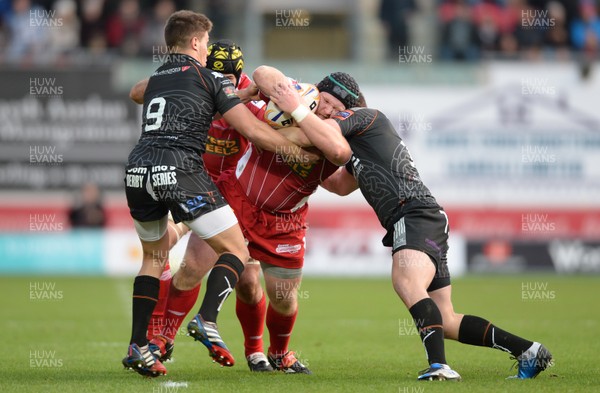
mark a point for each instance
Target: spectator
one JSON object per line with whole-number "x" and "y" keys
{"x": 217, "y": 11}
{"x": 585, "y": 31}
{"x": 153, "y": 34}
{"x": 488, "y": 19}
{"x": 65, "y": 38}
{"x": 556, "y": 38}
{"x": 394, "y": 15}
{"x": 26, "y": 31}
{"x": 524, "y": 25}
{"x": 124, "y": 28}
{"x": 458, "y": 38}
{"x": 92, "y": 25}
{"x": 88, "y": 210}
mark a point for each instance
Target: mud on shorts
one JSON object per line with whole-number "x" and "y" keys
{"x": 423, "y": 228}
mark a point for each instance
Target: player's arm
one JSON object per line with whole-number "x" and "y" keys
{"x": 264, "y": 137}
{"x": 248, "y": 94}
{"x": 341, "y": 182}
{"x": 325, "y": 135}
{"x": 295, "y": 135}
{"x": 266, "y": 78}
{"x": 137, "y": 92}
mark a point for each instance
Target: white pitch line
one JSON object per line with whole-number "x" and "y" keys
{"x": 173, "y": 384}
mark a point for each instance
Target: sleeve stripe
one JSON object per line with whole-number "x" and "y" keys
{"x": 200, "y": 74}
{"x": 370, "y": 124}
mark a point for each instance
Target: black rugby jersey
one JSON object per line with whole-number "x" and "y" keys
{"x": 381, "y": 163}
{"x": 179, "y": 103}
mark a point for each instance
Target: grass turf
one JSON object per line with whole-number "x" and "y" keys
{"x": 355, "y": 335}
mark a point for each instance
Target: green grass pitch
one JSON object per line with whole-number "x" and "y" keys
{"x": 70, "y": 334}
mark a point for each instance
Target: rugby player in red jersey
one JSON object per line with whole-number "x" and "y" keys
{"x": 269, "y": 197}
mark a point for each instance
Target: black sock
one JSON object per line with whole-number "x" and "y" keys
{"x": 478, "y": 331}
{"x": 221, "y": 281}
{"x": 145, "y": 296}
{"x": 428, "y": 321}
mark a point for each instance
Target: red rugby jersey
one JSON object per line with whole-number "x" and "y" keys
{"x": 277, "y": 186}
{"x": 224, "y": 145}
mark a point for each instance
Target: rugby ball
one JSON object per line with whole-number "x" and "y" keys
{"x": 277, "y": 118}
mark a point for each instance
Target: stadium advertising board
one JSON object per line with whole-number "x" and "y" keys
{"x": 561, "y": 256}
{"x": 526, "y": 138}
{"x": 50, "y": 253}
{"x": 61, "y": 129}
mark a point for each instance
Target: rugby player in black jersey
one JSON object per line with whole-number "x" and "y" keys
{"x": 379, "y": 163}
{"x": 165, "y": 172}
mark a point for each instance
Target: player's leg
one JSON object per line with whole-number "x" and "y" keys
{"x": 251, "y": 309}
{"x": 183, "y": 292}
{"x": 220, "y": 230}
{"x": 419, "y": 248}
{"x": 282, "y": 286}
{"x": 199, "y": 258}
{"x": 533, "y": 357}
{"x": 157, "y": 321}
{"x": 452, "y": 320}
{"x": 155, "y": 249}
{"x": 233, "y": 254}
{"x": 150, "y": 220}
{"x": 412, "y": 273}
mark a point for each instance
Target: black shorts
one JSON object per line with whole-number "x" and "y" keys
{"x": 153, "y": 191}
{"x": 425, "y": 229}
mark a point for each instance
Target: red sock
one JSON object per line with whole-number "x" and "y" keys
{"x": 179, "y": 305}
{"x": 157, "y": 318}
{"x": 252, "y": 319}
{"x": 280, "y": 330}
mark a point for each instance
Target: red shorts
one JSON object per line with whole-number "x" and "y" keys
{"x": 275, "y": 238}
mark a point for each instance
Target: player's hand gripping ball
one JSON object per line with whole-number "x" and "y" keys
{"x": 277, "y": 118}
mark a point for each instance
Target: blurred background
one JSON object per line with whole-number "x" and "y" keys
{"x": 496, "y": 99}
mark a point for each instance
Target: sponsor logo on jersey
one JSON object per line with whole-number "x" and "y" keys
{"x": 170, "y": 71}
{"x": 301, "y": 169}
{"x": 343, "y": 115}
{"x": 229, "y": 91}
{"x": 222, "y": 147}
{"x": 217, "y": 75}
{"x": 288, "y": 248}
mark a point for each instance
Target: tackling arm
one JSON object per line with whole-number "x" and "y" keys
{"x": 137, "y": 92}
{"x": 295, "y": 135}
{"x": 265, "y": 137}
{"x": 341, "y": 182}
{"x": 325, "y": 135}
